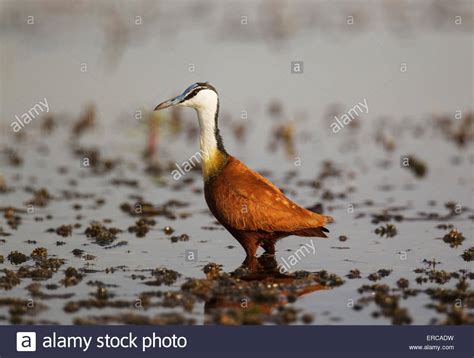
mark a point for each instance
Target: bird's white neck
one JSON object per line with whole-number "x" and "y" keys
{"x": 212, "y": 151}
{"x": 207, "y": 129}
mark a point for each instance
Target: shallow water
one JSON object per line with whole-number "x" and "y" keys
{"x": 251, "y": 73}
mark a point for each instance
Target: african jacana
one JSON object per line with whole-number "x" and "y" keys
{"x": 248, "y": 205}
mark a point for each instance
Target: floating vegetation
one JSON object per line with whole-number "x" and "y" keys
{"x": 40, "y": 253}
{"x": 141, "y": 227}
{"x": 468, "y": 255}
{"x": 454, "y": 238}
{"x": 17, "y": 258}
{"x": 454, "y": 303}
{"x": 388, "y": 230}
{"x": 403, "y": 283}
{"x": 379, "y": 274}
{"x": 64, "y": 230}
{"x": 183, "y": 237}
{"x": 163, "y": 276}
{"x": 9, "y": 280}
{"x": 388, "y": 303}
{"x": 13, "y": 220}
{"x": 41, "y": 198}
{"x": 143, "y": 208}
{"x": 355, "y": 273}
{"x": 415, "y": 165}
{"x": 72, "y": 277}
{"x": 102, "y": 235}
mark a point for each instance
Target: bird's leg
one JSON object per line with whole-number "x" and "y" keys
{"x": 249, "y": 244}
{"x": 251, "y": 263}
{"x": 269, "y": 247}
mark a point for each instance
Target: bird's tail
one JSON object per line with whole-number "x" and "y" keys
{"x": 312, "y": 232}
{"x": 329, "y": 219}
{"x": 315, "y": 231}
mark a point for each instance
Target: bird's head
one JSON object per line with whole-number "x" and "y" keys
{"x": 199, "y": 95}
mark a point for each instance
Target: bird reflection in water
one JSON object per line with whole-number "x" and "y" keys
{"x": 259, "y": 293}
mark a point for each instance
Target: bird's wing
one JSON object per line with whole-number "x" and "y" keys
{"x": 245, "y": 200}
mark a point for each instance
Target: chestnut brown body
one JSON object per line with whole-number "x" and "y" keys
{"x": 255, "y": 211}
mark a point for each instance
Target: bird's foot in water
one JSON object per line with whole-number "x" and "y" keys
{"x": 265, "y": 265}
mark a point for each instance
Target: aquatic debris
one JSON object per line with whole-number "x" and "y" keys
{"x": 454, "y": 238}
{"x": 16, "y": 257}
{"x": 102, "y": 293}
{"x": 19, "y": 307}
{"x": 35, "y": 290}
{"x": 307, "y": 318}
{"x": 212, "y": 270}
{"x": 39, "y": 253}
{"x": 444, "y": 226}
{"x": 48, "y": 124}
{"x": 355, "y": 273}
{"x": 379, "y": 274}
{"x": 141, "y": 227}
{"x": 172, "y": 299}
{"x": 91, "y": 158}
{"x": 143, "y": 208}
{"x": 72, "y": 277}
{"x": 85, "y": 122}
{"x": 415, "y": 165}
{"x": 431, "y": 264}
{"x": 64, "y": 230}
{"x": 100, "y": 303}
{"x": 432, "y": 275}
{"x": 183, "y": 237}
{"x": 41, "y": 198}
{"x": 102, "y": 235}
{"x": 461, "y": 132}
{"x": 168, "y": 230}
{"x": 43, "y": 268}
{"x": 125, "y": 182}
{"x": 403, "y": 283}
{"x": 387, "y": 303}
{"x": 456, "y": 302}
{"x": 163, "y": 276}
{"x": 386, "y": 216}
{"x": 83, "y": 255}
{"x": 468, "y": 255}
{"x": 343, "y": 238}
{"x": 118, "y": 244}
{"x": 14, "y": 159}
{"x": 388, "y": 230}
{"x": 9, "y": 280}
{"x": 13, "y": 220}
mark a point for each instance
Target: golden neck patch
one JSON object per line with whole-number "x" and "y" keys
{"x": 213, "y": 163}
